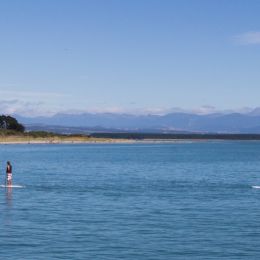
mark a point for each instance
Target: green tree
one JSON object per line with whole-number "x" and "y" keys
{"x": 10, "y": 123}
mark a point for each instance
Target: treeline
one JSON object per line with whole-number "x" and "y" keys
{"x": 10, "y": 123}
{"x": 143, "y": 136}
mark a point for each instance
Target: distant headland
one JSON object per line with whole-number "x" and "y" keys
{"x": 13, "y": 132}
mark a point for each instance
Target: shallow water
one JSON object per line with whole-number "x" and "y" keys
{"x": 133, "y": 201}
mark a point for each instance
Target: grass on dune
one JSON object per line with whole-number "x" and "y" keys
{"x": 10, "y": 136}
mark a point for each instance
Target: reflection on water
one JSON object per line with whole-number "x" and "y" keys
{"x": 7, "y": 213}
{"x": 8, "y": 196}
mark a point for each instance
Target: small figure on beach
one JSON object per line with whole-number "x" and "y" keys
{"x": 9, "y": 174}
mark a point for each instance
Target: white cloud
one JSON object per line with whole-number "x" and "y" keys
{"x": 31, "y": 109}
{"x": 30, "y": 103}
{"x": 247, "y": 38}
{"x": 203, "y": 110}
{"x": 23, "y": 108}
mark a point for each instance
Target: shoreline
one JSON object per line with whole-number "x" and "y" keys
{"x": 101, "y": 142}
{"x": 116, "y": 141}
{"x": 56, "y": 139}
{"x": 92, "y": 140}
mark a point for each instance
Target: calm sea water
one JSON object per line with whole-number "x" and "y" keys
{"x": 133, "y": 201}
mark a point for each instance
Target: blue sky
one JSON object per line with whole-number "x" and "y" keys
{"x": 129, "y": 55}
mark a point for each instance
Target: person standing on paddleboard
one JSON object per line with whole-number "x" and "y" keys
{"x": 9, "y": 174}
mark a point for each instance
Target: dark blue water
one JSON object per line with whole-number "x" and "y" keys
{"x": 134, "y": 201}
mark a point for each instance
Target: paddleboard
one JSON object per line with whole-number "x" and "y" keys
{"x": 256, "y": 187}
{"x": 11, "y": 186}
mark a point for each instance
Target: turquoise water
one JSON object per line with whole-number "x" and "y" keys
{"x": 133, "y": 201}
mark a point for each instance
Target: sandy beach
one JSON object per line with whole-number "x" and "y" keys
{"x": 85, "y": 140}
{"x": 58, "y": 140}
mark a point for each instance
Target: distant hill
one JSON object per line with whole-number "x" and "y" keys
{"x": 174, "y": 122}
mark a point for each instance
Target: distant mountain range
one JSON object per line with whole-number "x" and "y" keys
{"x": 174, "y": 122}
